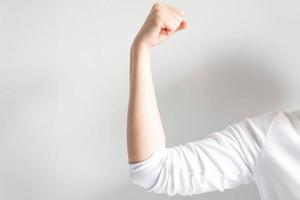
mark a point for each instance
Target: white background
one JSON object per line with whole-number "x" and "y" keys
{"x": 64, "y": 87}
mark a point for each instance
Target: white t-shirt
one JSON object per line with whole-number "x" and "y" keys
{"x": 264, "y": 149}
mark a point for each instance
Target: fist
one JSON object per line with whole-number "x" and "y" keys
{"x": 162, "y": 22}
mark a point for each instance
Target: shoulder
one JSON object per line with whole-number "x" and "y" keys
{"x": 263, "y": 121}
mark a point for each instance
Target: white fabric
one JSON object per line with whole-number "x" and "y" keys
{"x": 264, "y": 149}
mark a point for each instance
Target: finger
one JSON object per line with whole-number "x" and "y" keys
{"x": 164, "y": 31}
{"x": 176, "y": 17}
{"x": 183, "y": 25}
{"x": 171, "y": 24}
{"x": 176, "y": 10}
{"x": 175, "y": 13}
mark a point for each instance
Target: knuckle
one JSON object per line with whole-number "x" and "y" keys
{"x": 181, "y": 12}
{"x": 158, "y": 14}
{"x": 180, "y": 18}
{"x": 171, "y": 26}
{"x": 157, "y": 6}
{"x": 177, "y": 24}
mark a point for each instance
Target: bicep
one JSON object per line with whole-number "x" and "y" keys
{"x": 223, "y": 160}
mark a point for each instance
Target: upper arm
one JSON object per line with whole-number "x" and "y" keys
{"x": 224, "y": 159}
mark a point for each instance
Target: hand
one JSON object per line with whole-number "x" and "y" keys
{"x": 162, "y": 22}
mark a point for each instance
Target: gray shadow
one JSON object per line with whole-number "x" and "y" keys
{"x": 221, "y": 91}
{"x": 296, "y": 113}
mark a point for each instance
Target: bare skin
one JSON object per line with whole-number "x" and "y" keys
{"x": 145, "y": 132}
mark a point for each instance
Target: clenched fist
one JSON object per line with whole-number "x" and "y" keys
{"x": 162, "y": 21}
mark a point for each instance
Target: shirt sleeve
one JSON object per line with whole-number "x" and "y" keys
{"x": 224, "y": 159}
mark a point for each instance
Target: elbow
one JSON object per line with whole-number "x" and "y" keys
{"x": 139, "y": 181}
{"x": 146, "y": 173}
{"x": 153, "y": 174}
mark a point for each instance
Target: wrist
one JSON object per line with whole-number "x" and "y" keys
{"x": 140, "y": 46}
{"x": 140, "y": 56}
{"x": 139, "y": 50}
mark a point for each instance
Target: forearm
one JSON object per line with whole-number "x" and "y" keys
{"x": 144, "y": 128}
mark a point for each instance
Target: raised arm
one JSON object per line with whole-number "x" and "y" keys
{"x": 225, "y": 159}
{"x": 144, "y": 128}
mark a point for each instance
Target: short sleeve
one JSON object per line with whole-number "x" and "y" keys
{"x": 224, "y": 159}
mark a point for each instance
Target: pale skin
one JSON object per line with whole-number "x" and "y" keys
{"x": 145, "y": 132}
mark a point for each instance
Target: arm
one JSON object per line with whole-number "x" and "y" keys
{"x": 225, "y": 159}
{"x": 144, "y": 128}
